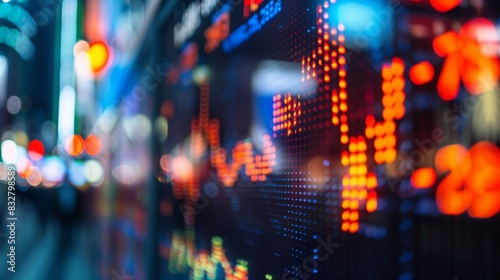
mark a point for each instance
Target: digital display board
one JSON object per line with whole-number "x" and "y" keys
{"x": 330, "y": 140}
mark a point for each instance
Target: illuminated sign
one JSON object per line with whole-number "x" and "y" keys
{"x": 202, "y": 263}
{"x": 205, "y": 137}
{"x": 189, "y": 23}
{"x": 469, "y": 57}
{"x": 254, "y": 24}
{"x": 321, "y": 64}
{"x": 217, "y": 32}
{"x": 191, "y": 20}
{"x": 471, "y": 183}
{"x": 207, "y": 6}
{"x": 250, "y": 6}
